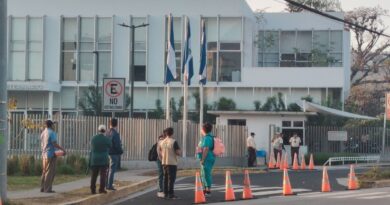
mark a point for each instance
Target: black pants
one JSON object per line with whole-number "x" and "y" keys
{"x": 293, "y": 151}
{"x": 251, "y": 157}
{"x": 103, "y": 177}
{"x": 276, "y": 151}
{"x": 169, "y": 179}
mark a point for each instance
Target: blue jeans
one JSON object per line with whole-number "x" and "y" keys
{"x": 160, "y": 176}
{"x": 114, "y": 161}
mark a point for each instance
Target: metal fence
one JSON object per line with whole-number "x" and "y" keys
{"x": 360, "y": 140}
{"x": 138, "y": 135}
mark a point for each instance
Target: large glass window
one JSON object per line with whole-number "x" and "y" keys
{"x": 140, "y": 49}
{"x": 84, "y": 40}
{"x": 212, "y": 48}
{"x": 26, "y": 48}
{"x": 300, "y": 48}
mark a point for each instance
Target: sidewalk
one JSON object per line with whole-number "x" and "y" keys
{"x": 133, "y": 176}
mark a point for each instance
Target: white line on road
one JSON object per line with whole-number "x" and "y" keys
{"x": 321, "y": 194}
{"x": 357, "y": 195}
{"x": 375, "y": 197}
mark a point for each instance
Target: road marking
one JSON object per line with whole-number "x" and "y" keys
{"x": 322, "y": 194}
{"x": 375, "y": 197}
{"x": 357, "y": 195}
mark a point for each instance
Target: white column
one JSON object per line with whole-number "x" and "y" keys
{"x": 50, "y": 105}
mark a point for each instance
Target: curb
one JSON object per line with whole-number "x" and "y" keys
{"x": 114, "y": 195}
{"x": 375, "y": 184}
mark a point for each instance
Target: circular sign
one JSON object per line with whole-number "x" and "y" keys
{"x": 113, "y": 88}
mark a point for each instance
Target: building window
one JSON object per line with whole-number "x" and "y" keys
{"x": 237, "y": 122}
{"x": 85, "y": 39}
{"x": 26, "y": 48}
{"x": 300, "y": 48}
{"x": 212, "y": 48}
{"x": 140, "y": 49}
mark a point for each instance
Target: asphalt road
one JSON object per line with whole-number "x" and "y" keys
{"x": 264, "y": 187}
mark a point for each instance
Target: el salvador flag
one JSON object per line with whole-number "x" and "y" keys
{"x": 188, "y": 62}
{"x": 203, "y": 56}
{"x": 171, "y": 59}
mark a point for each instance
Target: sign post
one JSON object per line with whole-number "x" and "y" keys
{"x": 113, "y": 94}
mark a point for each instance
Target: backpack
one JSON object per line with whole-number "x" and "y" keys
{"x": 219, "y": 147}
{"x": 153, "y": 155}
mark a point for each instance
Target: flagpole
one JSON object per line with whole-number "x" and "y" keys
{"x": 167, "y": 105}
{"x": 201, "y": 105}
{"x": 185, "y": 94}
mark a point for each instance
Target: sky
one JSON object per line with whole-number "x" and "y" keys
{"x": 347, "y": 5}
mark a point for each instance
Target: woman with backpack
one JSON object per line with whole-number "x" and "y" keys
{"x": 206, "y": 156}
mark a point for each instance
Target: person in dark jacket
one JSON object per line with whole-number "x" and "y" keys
{"x": 115, "y": 152}
{"x": 100, "y": 145}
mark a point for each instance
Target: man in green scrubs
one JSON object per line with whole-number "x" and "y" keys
{"x": 207, "y": 158}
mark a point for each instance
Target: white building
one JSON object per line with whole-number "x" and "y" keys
{"x": 51, "y": 46}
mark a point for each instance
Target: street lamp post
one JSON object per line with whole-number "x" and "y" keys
{"x": 132, "y": 69}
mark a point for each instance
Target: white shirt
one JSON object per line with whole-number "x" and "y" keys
{"x": 277, "y": 143}
{"x": 295, "y": 141}
{"x": 250, "y": 142}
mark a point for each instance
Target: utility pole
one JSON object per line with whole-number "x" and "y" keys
{"x": 3, "y": 101}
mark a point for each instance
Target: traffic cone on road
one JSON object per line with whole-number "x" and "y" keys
{"x": 229, "y": 192}
{"x": 247, "y": 192}
{"x": 285, "y": 161}
{"x": 352, "y": 181}
{"x": 271, "y": 163}
{"x": 199, "y": 195}
{"x": 278, "y": 161}
{"x": 303, "y": 162}
{"x": 286, "y": 184}
{"x": 281, "y": 165}
{"x": 325, "y": 181}
{"x": 295, "y": 163}
{"x": 311, "y": 162}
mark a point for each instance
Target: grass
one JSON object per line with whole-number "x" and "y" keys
{"x": 375, "y": 173}
{"x": 17, "y": 183}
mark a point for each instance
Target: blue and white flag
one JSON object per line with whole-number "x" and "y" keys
{"x": 188, "y": 62}
{"x": 171, "y": 58}
{"x": 203, "y": 56}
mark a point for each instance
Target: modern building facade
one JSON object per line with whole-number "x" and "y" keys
{"x": 57, "y": 48}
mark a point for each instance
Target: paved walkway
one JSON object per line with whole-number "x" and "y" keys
{"x": 129, "y": 175}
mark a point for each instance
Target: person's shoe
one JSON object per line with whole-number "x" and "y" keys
{"x": 111, "y": 189}
{"x": 41, "y": 190}
{"x": 51, "y": 191}
{"x": 103, "y": 192}
{"x": 93, "y": 192}
{"x": 207, "y": 194}
{"x": 160, "y": 194}
{"x": 173, "y": 197}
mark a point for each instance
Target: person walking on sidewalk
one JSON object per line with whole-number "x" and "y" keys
{"x": 115, "y": 152}
{"x": 251, "y": 146}
{"x": 277, "y": 145}
{"x": 100, "y": 144}
{"x": 48, "y": 146}
{"x": 169, "y": 150}
{"x": 160, "y": 192}
{"x": 207, "y": 158}
{"x": 295, "y": 142}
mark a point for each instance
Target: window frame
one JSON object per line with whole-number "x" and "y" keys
{"x": 146, "y": 50}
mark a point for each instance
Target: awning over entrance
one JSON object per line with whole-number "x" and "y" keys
{"x": 311, "y": 107}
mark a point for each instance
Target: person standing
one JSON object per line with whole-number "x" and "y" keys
{"x": 295, "y": 142}
{"x": 251, "y": 146}
{"x": 115, "y": 152}
{"x": 207, "y": 158}
{"x": 100, "y": 144}
{"x": 48, "y": 146}
{"x": 160, "y": 192}
{"x": 169, "y": 150}
{"x": 277, "y": 145}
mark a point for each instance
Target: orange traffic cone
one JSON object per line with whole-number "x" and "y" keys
{"x": 311, "y": 162}
{"x": 229, "y": 192}
{"x": 247, "y": 192}
{"x": 199, "y": 195}
{"x": 352, "y": 181}
{"x": 303, "y": 162}
{"x": 286, "y": 184}
{"x": 278, "y": 161}
{"x": 281, "y": 165}
{"x": 285, "y": 161}
{"x": 295, "y": 163}
{"x": 271, "y": 163}
{"x": 325, "y": 181}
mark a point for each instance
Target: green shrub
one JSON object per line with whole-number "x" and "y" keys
{"x": 65, "y": 169}
{"x": 25, "y": 165}
{"x": 71, "y": 159}
{"x": 13, "y": 165}
{"x": 80, "y": 165}
{"x": 38, "y": 167}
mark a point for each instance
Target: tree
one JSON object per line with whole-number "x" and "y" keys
{"x": 321, "y": 5}
{"x": 225, "y": 104}
{"x": 91, "y": 103}
{"x": 158, "y": 113}
{"x": 368, "y": 50}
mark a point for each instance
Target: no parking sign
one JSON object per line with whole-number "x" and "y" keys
{"x": 113, "y": 94}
